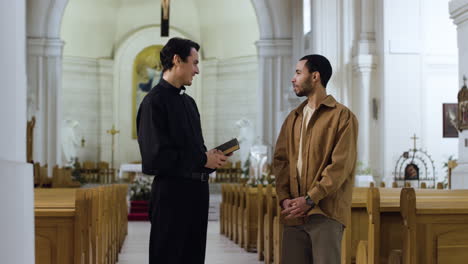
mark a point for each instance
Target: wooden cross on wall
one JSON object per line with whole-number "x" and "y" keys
{"x": 165, "y": 7}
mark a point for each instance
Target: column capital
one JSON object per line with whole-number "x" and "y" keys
{"x": 274, "y": 47}
{"x": 458, "y": 11}
{"x": 50, "y": 47}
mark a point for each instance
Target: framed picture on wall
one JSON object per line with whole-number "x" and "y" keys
{"x": 449, "y": 118}
{"x": 147, "y": 70}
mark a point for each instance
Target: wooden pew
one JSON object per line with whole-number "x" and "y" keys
{"x": 268, "y": 220}
{"x": 221, "y": 210}
{"x": 80, "y": 225}
{"x": 435, "y": 230}
{"x": 385, "y": 225}
{"x": 236, "y": 172}
{"x": 105, "y": 173}
{"x": 250, "y": 219}
{"x": 277, "y": 235}
{"x": 357, "y": 229}
{"x": 240, "y": 215}
{"x": 230, "y": 195}
{"x": 44, "y": 180}
{"x": 61, "y": 178}
{"x": 235, "y": 205}
{"x": 37, "y": 175}
{"x": 261, "y": 208}
{"x": 89, "y": 171}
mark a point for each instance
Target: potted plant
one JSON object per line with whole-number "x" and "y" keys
{"x": 140, "y": 193}
{"x": 363, "y": 176}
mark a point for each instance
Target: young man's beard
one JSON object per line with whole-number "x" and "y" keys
{"x": 306, "y": 88}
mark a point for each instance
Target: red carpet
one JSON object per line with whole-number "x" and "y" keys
{"x": 138, "y": 211}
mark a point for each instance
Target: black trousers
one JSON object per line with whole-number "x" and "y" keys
{"x": 179, "y": 221}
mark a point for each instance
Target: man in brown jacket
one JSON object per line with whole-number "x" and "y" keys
{"x": 314, "y": 163}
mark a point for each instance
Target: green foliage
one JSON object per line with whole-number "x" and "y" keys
{"x": 140, "y": 190}
{"x": 361, "y": 170}
{"x": 76, "y": 172}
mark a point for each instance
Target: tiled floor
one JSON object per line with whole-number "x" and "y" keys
{"x": 220, "y": 250}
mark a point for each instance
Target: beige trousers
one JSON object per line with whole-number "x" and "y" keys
{"x": 316, "y": 242}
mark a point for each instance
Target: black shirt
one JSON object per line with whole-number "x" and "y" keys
{"x": 169, "y": 133}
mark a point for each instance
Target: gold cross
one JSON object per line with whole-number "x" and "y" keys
{"x": 113, "y": 131}
{"x": 414, "y": 138}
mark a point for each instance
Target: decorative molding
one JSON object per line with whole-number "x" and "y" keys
{"x": 458, "y": 11}
{"x": 231, "y": 67}
{"x": 105, "y": 67}
{"x": 79, "y": 65}
{"x": 364, "y": 63}
{"x": 45, "y": 47}
{"x": 209, "y": 68}
{"x": 439, "y": 63}
{"x": 274, "y": 47}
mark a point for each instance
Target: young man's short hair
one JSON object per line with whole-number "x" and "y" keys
{"x": 179, "y": 46}
{"x": 319, "y": 63}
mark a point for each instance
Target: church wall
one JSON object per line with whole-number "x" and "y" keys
{"x": 87, "y": 98}
{"x": 133, "y": 15}
{"x": 419, "y": 74}
{"x": 88, "y": 28}
{"x": 229, "y": 94}
{"x": 95, "y": 29}
{"x": 96, "y": 91}
{"x": 229, "y": 29}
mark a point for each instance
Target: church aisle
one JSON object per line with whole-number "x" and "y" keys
{"x": 220, "y": 250}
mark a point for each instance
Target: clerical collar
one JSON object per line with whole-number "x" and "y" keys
{"x": 172, "y": 88}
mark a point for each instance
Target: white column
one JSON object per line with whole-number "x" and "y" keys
{"x": 16, "y": 188}
{"x": 459, "y": 14}
{"x": 364, "y": 65}
{"x": 45, "y": 89}
{"x": 363, "y": 68}
{"x": 276, "y": 97}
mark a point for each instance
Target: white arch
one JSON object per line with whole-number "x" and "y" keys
{"x": 126, "y": 148}
{"x": 274, "y": 18}
{"x": 45, "y": 18}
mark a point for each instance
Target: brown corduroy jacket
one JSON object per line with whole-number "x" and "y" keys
{"x": 329, "y": 160}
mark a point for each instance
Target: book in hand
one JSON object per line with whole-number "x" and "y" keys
{"x": 229, "y": 147}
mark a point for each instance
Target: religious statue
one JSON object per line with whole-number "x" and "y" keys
{"x": 70, "y": 141}
{"x": 246, "y": 138}
{"x": 463, "y": 107}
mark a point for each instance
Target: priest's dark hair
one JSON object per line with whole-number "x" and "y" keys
{"x": 179, "y": 46}
{"x": 318, "y": 63}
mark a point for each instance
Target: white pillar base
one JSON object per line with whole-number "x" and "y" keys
{"x": 460, "y": 176}
{"x": 17, "y": 218}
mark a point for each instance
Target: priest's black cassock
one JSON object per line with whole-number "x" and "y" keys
{"x": 172, "y": 148}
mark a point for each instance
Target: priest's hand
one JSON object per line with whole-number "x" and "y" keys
{"x": 215, "y": 159}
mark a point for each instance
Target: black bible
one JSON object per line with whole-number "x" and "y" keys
{"x": 229, "y": 147}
